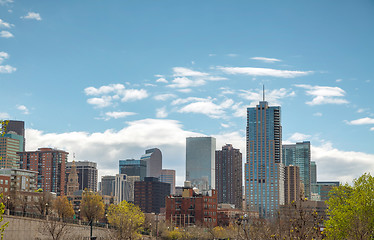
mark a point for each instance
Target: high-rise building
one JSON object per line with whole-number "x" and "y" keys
{"x": 9, "y": 146}
{"x": 132, "y": 167}
{"x": 124, "y": 188}
{"x": 322, "y": 189}
{"x": 291, "y": 184}
{"x": 107, "y": 185}
{"x": 87, "y": 174}
{"x": 200, "y": 162}
{"x": 299, "y": 155}
{"x": 150, "y": 194}
{"x": 313, "y": 172}
{"x": 18, "y": 128}
{"x": 229, "y": 176}
{"x": 50, "y": 165}
{"x": 264, "y": 181}
{"x": 168, "y": 176}
{"x": 153, "y": 157}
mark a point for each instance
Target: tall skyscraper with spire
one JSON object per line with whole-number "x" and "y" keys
{"x": 264, "y": 180}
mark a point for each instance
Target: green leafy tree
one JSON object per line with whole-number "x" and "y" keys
{"x": 351, "y": 210}
{"x": 92, "y": 206}
{"x": 127, "y": 218}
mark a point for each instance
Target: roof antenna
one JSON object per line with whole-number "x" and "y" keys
{"x": 263, "y": 93}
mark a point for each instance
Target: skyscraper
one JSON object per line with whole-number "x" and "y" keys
{"x": 200, "y": 162}
{"x": 108, "y": 185}
{"x": 87, "y": 174}
{"x": 17, "y": 127}
{"x": 264, "y": 181}
{"x": 124, "y": 188}
{"x": 229, "y": 176}
{"x": 9, "y": 146}
{"x": 313, "y": 172}
{"x": 50, "y": 164}
{"x": 168, "y": 176}
{"x": 291, "y": 184}
{"x": 299, "y": 155}
{"x": 153, "y": 157}
{"x": 132, "y": 167}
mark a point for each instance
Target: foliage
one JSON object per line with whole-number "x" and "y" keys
{"x": 174, "y": 234}
{"x": 351, "y": 210}
{"x": 2, "y": 227}
{"x": 127, "y": 218}
{"x": 63, "y": 207}
{"x": 92, "y": 206}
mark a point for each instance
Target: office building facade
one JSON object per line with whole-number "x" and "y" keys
{"x": 153, "y": 158}
{"x": 292, "y": 188}
{"x": 124, "y": 188}
{"x": 108, "y": 185}
{"x": 87, "y": 174}
{"x": 200, "y": 162}
{"x": 9, "y": 146}
{"x": 264, "y": 181}
{"x": 50, "y": 165}
{"x": 132, "y": 167}
{"x": 299, "y": 154}
{"x": 229, "y": 182}
{"x": 18, "y": 128}
{"x": 168, "y": 176}
{"x": 150, "y": 194}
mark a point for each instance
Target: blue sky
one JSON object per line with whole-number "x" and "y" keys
{"x": 108, "y": 79}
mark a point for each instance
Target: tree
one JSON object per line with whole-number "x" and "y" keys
{"x": 43, "y": 202}
{"x": 2, "y": 227}
{"x": 63, "y": 207}
{"x": 92, "y": 206}
{"x": 127, "y": 218}
{"x": 351, "y": 210}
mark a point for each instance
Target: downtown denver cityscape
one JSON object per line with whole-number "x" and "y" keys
{"x": 107, "y": 82}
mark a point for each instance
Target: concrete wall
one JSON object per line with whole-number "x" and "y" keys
{"x": 20, "y": 228}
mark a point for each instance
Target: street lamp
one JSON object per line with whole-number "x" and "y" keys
{"x": 46, "y": 209}
{"x": 7, "y": 204}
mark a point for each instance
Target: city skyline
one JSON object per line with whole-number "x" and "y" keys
{"x": 107, "y": 81}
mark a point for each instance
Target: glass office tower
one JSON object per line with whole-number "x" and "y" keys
{"x": 264, "y": 179}
{"x": 200, "y": 162}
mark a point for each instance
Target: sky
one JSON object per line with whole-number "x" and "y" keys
{"x": 107, "y": 80}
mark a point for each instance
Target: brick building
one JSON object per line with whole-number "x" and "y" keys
{"x": 192, "y": 208}
{"x": 50, "y": 165}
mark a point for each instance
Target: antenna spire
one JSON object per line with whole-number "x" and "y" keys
{"x": 263, "y": 93}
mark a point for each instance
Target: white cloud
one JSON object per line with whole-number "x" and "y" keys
{"x": 186, "y": 72}
{"x": 32, "y": 15}
{"x": 184, "y": 82}
{"x": 274, "y": 96}
{"x": 164, "y": 97}
{"x": 362, "y": 121}
{"x": 4, "y": 115}
{"x": 225, "y": 125}
{"x": 7, "y": 69}
{"x": 117, "y": 115}
{"x": 106, "y": 148}
{"x": 185, "y": 90}
{"x": 372, "y": 129}
{"x": 338, "y": 80}
{"x": 101, "y": 102}
{"x": 339, "y": 165}
{"x": 149, "y": 85}
{"x": 111, "y": 88}
{"x": 361, "y": 110}
{"x": 6, "y": 34}
{"x": 134, "y": 94}
{"x": 4, "y": 24}
{"x": 268, "y": 72}
{"x": 267, "y": 60}
{"x": 23, "y": 108}
{"x": 317, "y": 114}
{"x": 298, "y": 137}
{"x": 3, "y": 56}
{"x": 161, "y": 112}
{"x": 162, "y": 80}
{"x": 3, "y": 2}
{"x": 204, "y": 106}
{"x": 324, "y": 94}
{"x": 232, "y": 55}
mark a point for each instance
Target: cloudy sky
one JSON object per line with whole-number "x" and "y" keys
{"x": 109, "y": 79}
